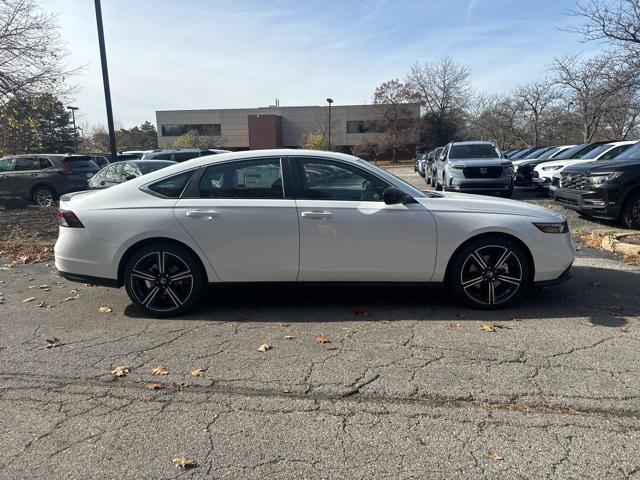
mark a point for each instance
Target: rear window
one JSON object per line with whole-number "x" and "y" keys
{"x": 474, "y": 151}
{"x": 81, "y": 163}
{"x": 172, "y": 187}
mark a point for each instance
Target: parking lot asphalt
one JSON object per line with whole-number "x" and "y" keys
{"x": 358, "y": 383}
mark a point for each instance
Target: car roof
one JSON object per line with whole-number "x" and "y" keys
{"x": 473, "y": 142}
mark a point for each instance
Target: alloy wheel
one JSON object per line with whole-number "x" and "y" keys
{"x": 491, "y": 275}
{"x": 161, "y": 281}
{"x": 44, "y": 197}
{"x": 635, "y": 212}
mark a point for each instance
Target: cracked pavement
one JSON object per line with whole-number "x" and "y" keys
{"x": 409, "y": 386}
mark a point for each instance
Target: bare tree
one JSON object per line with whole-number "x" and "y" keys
{"x": 31, "y": 51}
{"x": 605, "y": 20}
{"x": 621, "y": 119}
{"x": 591, "y": 84}
{"x": 536, "y": 98}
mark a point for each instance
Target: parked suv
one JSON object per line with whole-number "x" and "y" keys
{"x": 43, "y": 178}
{"x": 474, "y": 167}
{"x": 608, "y": 189}
{"x": 428, "y": 168}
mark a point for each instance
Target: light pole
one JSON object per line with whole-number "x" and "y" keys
{"x": 75, "y": 130}
{"x": 329, "y": 101}
{"x": 566, "y": 122}
{"x": 105, "y": 81}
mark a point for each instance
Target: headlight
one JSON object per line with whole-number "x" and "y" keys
{"x": 555, "y": 227}
{"x": 455, "y": 167}
{"x": 555, "y": 167}
{"x": 599, "y": 178}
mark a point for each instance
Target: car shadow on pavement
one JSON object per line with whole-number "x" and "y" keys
{"x": 601, "y": 296}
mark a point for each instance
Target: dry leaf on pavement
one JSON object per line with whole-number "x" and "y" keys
{"x": 589, "y": 323}
{"x": 454, "y": 325}
{"x": 45, "y": 305}
{"x": 623, "y": 329}
{"x": 176, "y": 386}
{"x": 284, "y": 325}
{"x": 487, "y": 328}
{"x": 27, "y": 300}
{"x": 156, "y": 386}
{"x": 264, "y": 347}
{"x": 183, "y": 462}
{"x": 198, "y": 372}
{"x": 289, "y": 337}
{"x": 285, "y": 391}
{"x": 320, "y": 339}
{"x": 120, "y": 371}
{"x": 384, "y": 322}
{"x": 160, "y": 370}
{"x": 495, "y": 456}
{"x": 105, "y": 310}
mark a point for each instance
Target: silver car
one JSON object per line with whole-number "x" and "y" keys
{"x": 478, "y": 167}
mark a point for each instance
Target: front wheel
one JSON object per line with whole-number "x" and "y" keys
{"x": 489, "y": 273}
{"x": 631, "y": 212}
{"x": 164, "y": 279}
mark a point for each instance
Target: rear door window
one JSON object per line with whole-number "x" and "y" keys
{"x": 6, "y": 164}
{"x": 171, "y": 187}
{"x": 25, "y": 164}
{"x": 243, "y": 179}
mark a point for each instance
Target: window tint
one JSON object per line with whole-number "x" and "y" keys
{"x": 182, "y": 156}
{"x": 23, "y": 164}
{"x": 614, "y": 152}
{"x": 631, "y": 154}
{"x": 246, "y": 179}
{"x": 172, "y": 187}
{"x": 5, "y": 164}
{"x": 161, "y": 156}
{"x": 328, "y": 180}
{"x": 45, "y": 163}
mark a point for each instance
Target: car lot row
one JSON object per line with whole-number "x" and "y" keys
{"x": 43, "y": 178}
{"x": 598, "y": 179}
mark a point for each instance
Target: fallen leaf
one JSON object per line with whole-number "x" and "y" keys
{"x": 198, "y": 372}
{"x": 183, "y": 462}
{"x": 43, "y": 287}
{"x": 285, "y": 390}
{"x": 284, "y": 325}
{"x": 75, "y": 297}
{"x": 160, "y": 370}
{"x": 623, "y": 329}
{"x": 120, "y": 371}
{"x": 105, "y": 310}
{"x": 384, "y": 322}
{"x": 177, "y": 386}
{"x": 264, "y": 347}
{"x": 156, "y": 386}
{"x": 320, "y": 339}
{"x": 27, "y": 300}
{"x": 454, "y": 325}
{"x": 361, "y": 312}
{"x": 44, "y": 305}
{"x": 495, "y": 456}
{"x": 589, "y": 323}
{"x": 487, "y": 328}
{"x": 332, "y": 348}
{"x": 54, "y": 342}
{"x": 289, "y": 337}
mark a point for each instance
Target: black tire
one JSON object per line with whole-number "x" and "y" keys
{"x": 630, "y": 216}
{"x": 443, "y": 187}
{"x": 486, "y": 287}
{"x": 428, "y": 179}
{"x": 507, "y": 194}
{"x": 144, "y": 275}
{"x": 44, "y": 196}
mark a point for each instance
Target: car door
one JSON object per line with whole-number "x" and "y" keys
{"x": 348, "y": 233}
{"x": 26, "y": 173}
{"x": 238, "y": 214}
{"x": 6, "y": 167}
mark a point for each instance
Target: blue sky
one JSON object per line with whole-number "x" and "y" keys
{"x": 183, "y": 54}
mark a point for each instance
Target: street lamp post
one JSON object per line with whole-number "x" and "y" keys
{"x": 75, "y": 130}
{"x": 566, "y": 122}
{"x": 105, "y": 81}
{"x": 329, "y": 101}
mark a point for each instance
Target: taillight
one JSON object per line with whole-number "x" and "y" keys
{"x": 66, "y": 218}
{"x": 66, "y": 169}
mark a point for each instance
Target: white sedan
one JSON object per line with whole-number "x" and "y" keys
{"x": 302, "y": 216}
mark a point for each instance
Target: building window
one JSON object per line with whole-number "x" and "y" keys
{"x": 363, "y": 126}
{"x": 205, "y": 129}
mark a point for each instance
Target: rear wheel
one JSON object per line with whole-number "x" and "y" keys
{"x": 164, "y": 279}
{"x": 489, "y": 273}
{"x": 44, "y": 196}
{"x": 631, "y": 212}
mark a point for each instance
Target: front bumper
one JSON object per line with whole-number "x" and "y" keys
{"x": 566, "y": 275}
{"x": 463, "y": 184}
{"x": 596, "y": 202}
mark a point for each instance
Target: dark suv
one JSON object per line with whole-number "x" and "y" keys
{"x": 44, "y": 177}
{"x": 608, "y": 189}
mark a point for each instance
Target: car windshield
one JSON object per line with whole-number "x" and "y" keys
{"x": 631, "y": 154}
{"x": 538, "y": 153}
{"x": 148, "y": 167}
{"x": 571, "y": 153}
{"x": 548, "y": 153}
{"x": 472, "y": 151}
{"x": 593, "y": 154}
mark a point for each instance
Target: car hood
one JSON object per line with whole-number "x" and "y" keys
{"x": 601, "y": 166}
{"x": 464, "y": 203}
{"x": 480, "y": 162}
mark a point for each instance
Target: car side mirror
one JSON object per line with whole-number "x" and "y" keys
{"x": 395, "y": 196}
{"x": 129, "y": 177}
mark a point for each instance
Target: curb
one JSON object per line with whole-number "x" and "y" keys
{"x": 615, "y": 243}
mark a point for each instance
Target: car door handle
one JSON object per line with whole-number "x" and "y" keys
{"x": 317, "y": 214}
{"x": 34, "y": 174}
{"x": 207, "y": 214}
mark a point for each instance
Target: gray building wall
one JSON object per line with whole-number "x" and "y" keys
{"x": 296, "y": 122}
